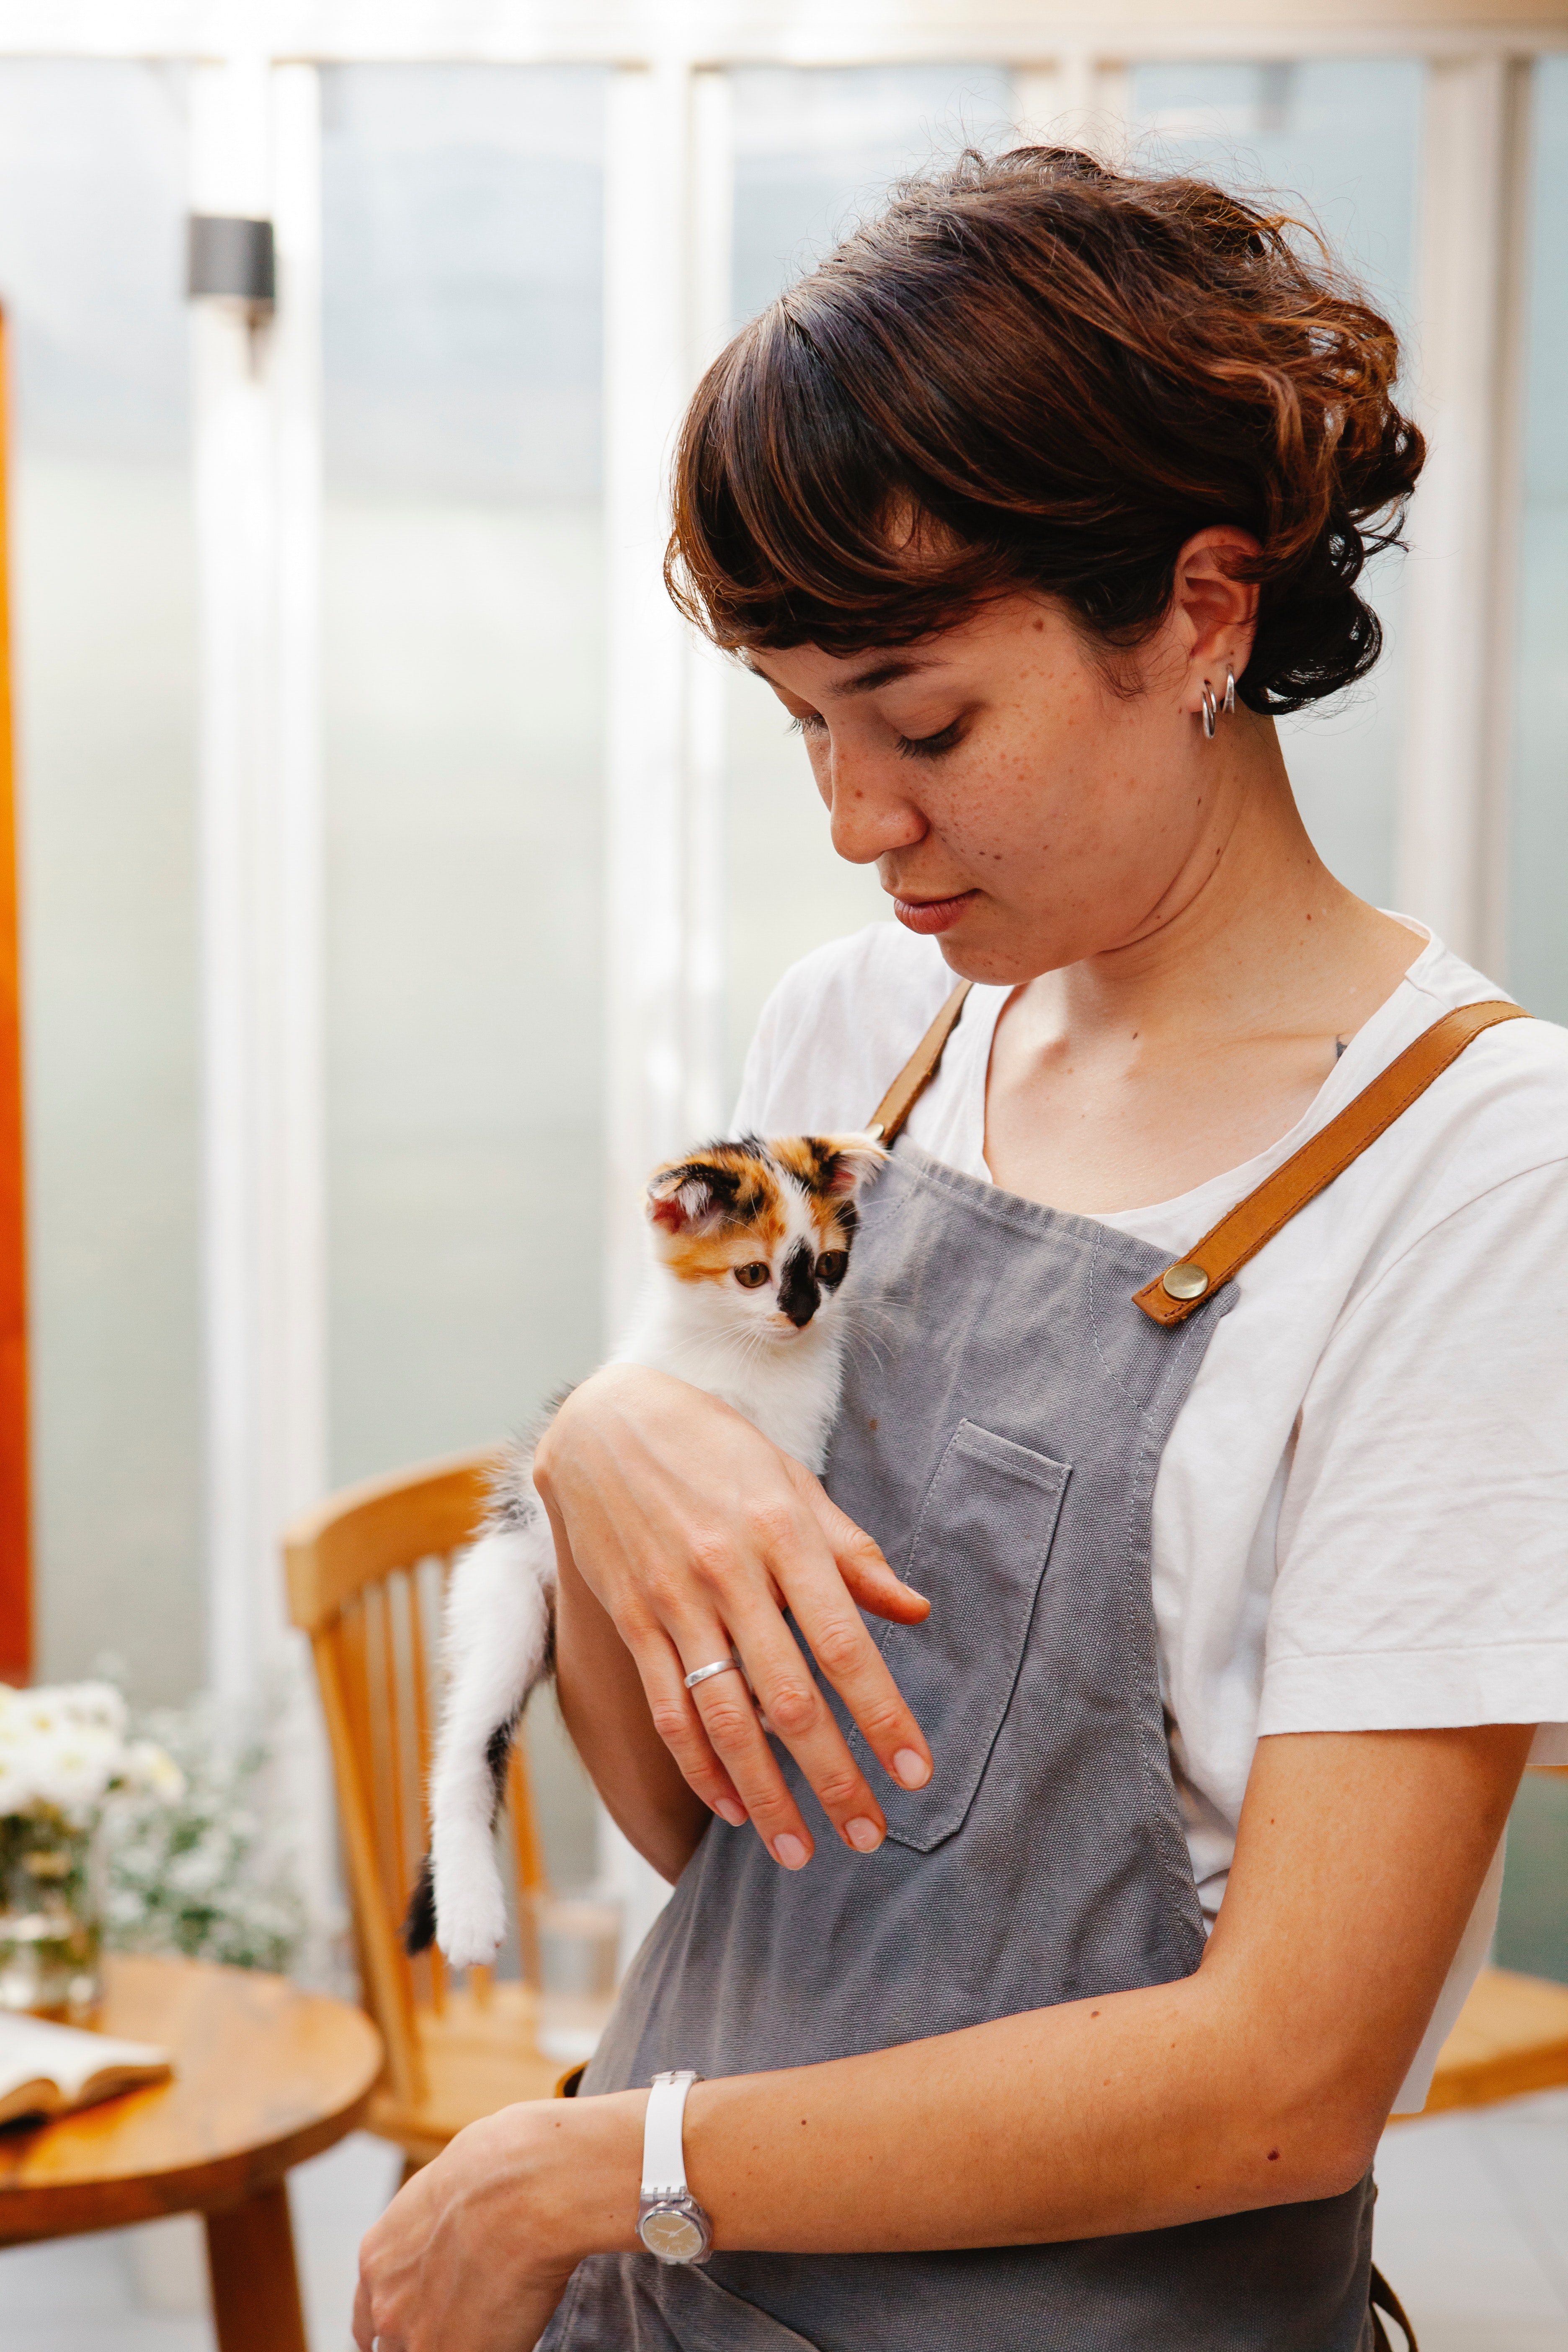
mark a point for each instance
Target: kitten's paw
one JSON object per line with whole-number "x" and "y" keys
{"x": 470, "y": 1924}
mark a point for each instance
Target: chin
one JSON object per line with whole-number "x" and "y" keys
{"x": 992, "y": 964}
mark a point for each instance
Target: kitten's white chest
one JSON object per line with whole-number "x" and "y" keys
{"x": 789, "y": 1389}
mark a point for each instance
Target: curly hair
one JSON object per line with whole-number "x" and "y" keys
{"x": 1034, "y": 373}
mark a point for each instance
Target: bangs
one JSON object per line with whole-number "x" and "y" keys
{"x": 797, "y": 522}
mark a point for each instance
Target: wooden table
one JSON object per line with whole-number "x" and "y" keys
{"x": 266, "y": 2076}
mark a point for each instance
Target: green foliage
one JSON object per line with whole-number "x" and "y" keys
{"x": 202, "y": 1875}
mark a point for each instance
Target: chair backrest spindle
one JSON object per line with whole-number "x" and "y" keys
{"x": 367, "y": 1575}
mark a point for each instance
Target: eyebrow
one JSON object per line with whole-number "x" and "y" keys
{"x": 883, "y": 673}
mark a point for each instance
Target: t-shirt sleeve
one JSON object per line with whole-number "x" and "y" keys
{"x": 1422, "y": 1542}
{"x": 836, "y": 1030}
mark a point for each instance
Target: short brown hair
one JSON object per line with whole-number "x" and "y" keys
{"x": 1066, "y": 372}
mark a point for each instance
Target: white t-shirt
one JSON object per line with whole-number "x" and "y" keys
{"x": 1361, "y": 1520}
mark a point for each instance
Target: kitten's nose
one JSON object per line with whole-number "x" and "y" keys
{"x": 799, "y": 1296}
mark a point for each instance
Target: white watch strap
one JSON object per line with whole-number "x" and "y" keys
{"x": 663, "y": 2148}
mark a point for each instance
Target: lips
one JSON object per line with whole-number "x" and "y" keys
{"x": 929, "y": 915}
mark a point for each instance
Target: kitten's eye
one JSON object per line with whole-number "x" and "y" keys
{"x": 752, "y": 1276}
{"x": 832, "y": 1266}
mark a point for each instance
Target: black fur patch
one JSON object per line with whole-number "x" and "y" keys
{"x": 799, "y": 1294}
{"x": 498, "y": 1748}
{"x": 419, "y": 1919}
{"x": 733, "y": 1194}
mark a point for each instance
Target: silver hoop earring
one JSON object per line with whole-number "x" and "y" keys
{"x": 1228, "y": 705}
{"x": 1211, "y": 710}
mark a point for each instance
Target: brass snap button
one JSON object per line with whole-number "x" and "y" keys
{"x": 1184, "y": 1280}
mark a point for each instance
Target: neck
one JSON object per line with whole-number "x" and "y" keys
{"x": 1252, "y": 936}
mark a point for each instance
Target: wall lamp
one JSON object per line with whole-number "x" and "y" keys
{"x": 233, "y": 260}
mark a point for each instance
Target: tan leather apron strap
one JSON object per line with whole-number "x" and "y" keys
{"x": 1171, "y": 1295}
{"x": 888, "y": 1119}
{"x": 1382, "y": 2298}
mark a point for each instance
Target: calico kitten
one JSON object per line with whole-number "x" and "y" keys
{"x": 750, "y": 1242}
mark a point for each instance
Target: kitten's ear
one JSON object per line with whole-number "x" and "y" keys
{"x": 685, "y": 1195}
{"x": 848, "y": 1161}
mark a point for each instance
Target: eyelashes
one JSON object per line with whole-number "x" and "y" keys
{"x": 930, "y": 747}
{"x": 908, "y": 747}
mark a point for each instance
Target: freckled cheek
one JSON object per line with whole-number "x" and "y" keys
{"x": 1011, "y": 813}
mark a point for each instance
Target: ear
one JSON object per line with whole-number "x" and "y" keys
{"x": 1214, "y": 605}
{"x": 849, "y": 1162}
{"x": 686, "y": 1195}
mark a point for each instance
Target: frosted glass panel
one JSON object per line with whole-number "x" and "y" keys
{"x": 1339, "y": 140}
{"x": 814, "y": 151}
{"x": 92, "y": 197}
{"x": 1538, "y": 961}
{"x": 462, "y": 241}
{"x": 463, "y": 227}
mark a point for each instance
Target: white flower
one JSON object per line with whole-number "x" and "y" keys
{"x": 63, "y": 1745}
{"x": 73, "y": 1768}
{"x": 150, "y": 1770}
{"x": 98, "y": 1703}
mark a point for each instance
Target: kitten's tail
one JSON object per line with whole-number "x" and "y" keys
{"x": 419, "y": 1919}
{"x": 498, "y": 1646}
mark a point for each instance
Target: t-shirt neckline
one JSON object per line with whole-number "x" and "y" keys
{"x": 1359, "y": 1063}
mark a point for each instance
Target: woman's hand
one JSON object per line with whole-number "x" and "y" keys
{"x": 473, "y": 2253}
{"x": 694, "y": 1534}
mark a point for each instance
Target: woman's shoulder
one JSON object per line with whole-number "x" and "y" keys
{"x": 838, "y": 1028}
{"x": 1507, "y": 1091}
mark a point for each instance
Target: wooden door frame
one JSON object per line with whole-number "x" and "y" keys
{"x": 15, "y": 1566}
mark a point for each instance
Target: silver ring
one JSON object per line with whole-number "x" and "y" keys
{"x": 719, "y": 1666}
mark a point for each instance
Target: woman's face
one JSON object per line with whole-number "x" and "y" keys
{"x": 1014, "y": 803}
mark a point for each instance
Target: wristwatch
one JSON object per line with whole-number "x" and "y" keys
{"x": 671, "y": 2223}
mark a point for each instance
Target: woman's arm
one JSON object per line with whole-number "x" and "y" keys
{"x": 605, "y": 1713}
{"x": 680, "y": 1531}
{"x": 1264, "y": 2079}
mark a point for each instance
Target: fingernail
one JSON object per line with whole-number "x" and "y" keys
{"x": 790, "y": 1852}
{"x": 734, "y": 1813}
{"x": 912, "y": 1770}
{"x": 862, "y": 1834}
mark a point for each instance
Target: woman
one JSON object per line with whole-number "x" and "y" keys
{"x": 1033, "y": 506}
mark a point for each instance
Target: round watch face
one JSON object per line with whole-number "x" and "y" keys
{"x": 670, "y": 2233}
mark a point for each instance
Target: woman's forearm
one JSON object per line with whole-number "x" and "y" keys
{"x": 1263, "y": 2079}
{"x": 1133, "y": 2112}
{"x": 1137, "y": 2111}
{"x": 606, "y": 1712}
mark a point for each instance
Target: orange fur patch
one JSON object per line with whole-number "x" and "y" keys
{"x": 745, "y": 1217}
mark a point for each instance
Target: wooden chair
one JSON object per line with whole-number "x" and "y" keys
{"x": 1512, "y": 2036}
{"x": 366, "y": 1580}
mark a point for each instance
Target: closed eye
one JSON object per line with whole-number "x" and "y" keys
{"x": 930, "y": 747}
{"x": 810, "y": 722}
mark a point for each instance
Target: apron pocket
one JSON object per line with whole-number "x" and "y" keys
{"x": 628, "y": 2302}
{"x": 979, "y": 1554}
{"x": 706, "y": 2317}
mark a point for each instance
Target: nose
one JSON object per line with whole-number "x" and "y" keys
{"x": 799, "y": 1296}
{"x": 870, "y": 815}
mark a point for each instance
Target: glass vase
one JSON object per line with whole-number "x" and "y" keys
{"x": 51, "y": 1914}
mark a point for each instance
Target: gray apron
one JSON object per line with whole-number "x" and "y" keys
{"x": 1005, "y": 1410}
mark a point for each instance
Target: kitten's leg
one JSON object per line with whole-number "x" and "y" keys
{"x": 499, "y": 1625}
